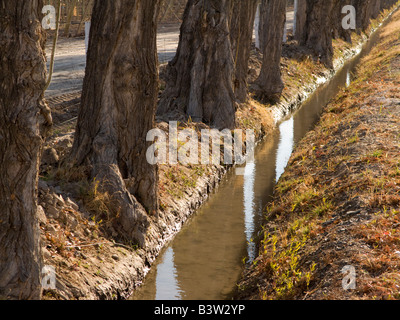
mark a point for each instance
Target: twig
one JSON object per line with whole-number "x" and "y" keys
{"x": 54, "y": 46}
{"x": 87, "y": 245}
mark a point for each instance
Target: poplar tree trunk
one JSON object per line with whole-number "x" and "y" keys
{"x": 386, "y": 4}
{"x": 200, "y": 77}
{"x": 118, "y": 109}
{"x": 301, "y": 19}
{"x": 269, "y": 84}
{"x": 364, "y": 13}
{"x": 336, "y": 17}
{"x": 242, "y": 26}
{"x": 317, "y": 33}
{"x": 376, "y": 9}
{"x": 263, "y": 14}
{"x": 22, "y": 82}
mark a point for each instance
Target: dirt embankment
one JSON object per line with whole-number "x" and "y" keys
{"x": 334, "y": 223}
{"x": 90, "y": 259}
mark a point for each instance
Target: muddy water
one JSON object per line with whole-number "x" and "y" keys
{"x": 206, "y": 258}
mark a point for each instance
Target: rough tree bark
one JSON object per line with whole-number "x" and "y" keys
{"x": 301, "y": 19}
{"x": 269, "y": 84}
{"x": 22, "y": 82}
{"x": 336, "y": 17}
{"x": 242, "y": 26}
{"x": 200, "y": 77}
{"x": 317, "y": 32}
{"x": 118, "y": 108}
{"x": 376, "y": 9}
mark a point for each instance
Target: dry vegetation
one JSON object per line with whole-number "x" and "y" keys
{"x": 338, "y": 203}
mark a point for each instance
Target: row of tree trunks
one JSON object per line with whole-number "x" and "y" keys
{"x": 86, "y": 12}
{"x": 369, "y": 9}
{"x": 22, "y": 82}
{"x": 118, "y": 107}
{"x": 199, "y": 84}
{"x": 318, "y": 21}
{"x": 119, "y": 102}
{"x": 301, "y": 19}
{"x": 269, "y": 84}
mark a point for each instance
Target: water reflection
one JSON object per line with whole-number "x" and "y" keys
{"x": 348, "y": 79}
{"x": 167, "y": 286}
{"x": 248, "y": 192}
{"x": 285, "y": 148}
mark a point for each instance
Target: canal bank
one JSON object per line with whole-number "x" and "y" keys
{"x": 331, "y": 230}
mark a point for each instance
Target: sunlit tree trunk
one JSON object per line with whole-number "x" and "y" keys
{"x": 269, "y": 84}
{"x": 317, "y": 30}
{"x": 200, "y": 77}
{"x": 118, "y": 108}
{"x": 22, "y": 82}
{"x": 301, "y": 19}
{"x": 241, "y": 30}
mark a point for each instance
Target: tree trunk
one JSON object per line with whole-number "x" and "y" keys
{"x": 263, "y": 14}
{"x": 22, "y": 82}
{"x": 376, "y": 9}
{"x": 301, "y": 19}
{"x": 269, "y": 84}
{"x": 200, "y": 77}
{"x": 118, "y": 107}
{"x": 317, "y": 33}
{"x": 337, "y": 17}
{"x": 363, "y": 8}
{"x": 242, "y": 26}
{"x": 386, "y": 4}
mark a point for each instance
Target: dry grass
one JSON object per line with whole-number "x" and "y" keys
{"x": 338, "y": 203}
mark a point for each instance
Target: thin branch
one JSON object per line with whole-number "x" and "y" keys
{"x": 54, "y": 46}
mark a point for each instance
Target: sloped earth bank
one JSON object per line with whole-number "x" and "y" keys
{"x": 335, "y": 216}
{"x": 91, "y": 260}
